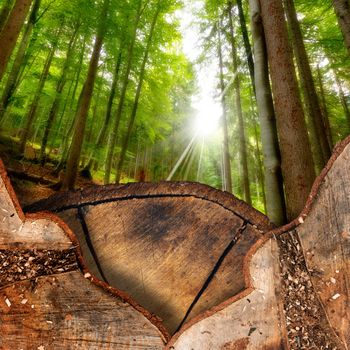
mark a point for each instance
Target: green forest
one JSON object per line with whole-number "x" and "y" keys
{"x": 245, "y": 96}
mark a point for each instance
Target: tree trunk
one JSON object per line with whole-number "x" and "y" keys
{"x": 35, "y": 103}
{"x": 102, "y": 134}
{"x": 4, "y": 13}
{"x": 56, "y": 103}
{"x": 241, "y": 130}
{"x": 227, "y": 175}
{"x": 319, "y": 143}
{"x": 84, "y": 104}
{"x": 69, "y": 124}
{"x": 342, "y": 10}
{"x": 275, "y": 205}
{"x": 114, "y": 132}
{"x": 247, "y": 46}
{"x": 297, "y": 163}
{"x": 343, "y": 100}
{"x": 12, "y": 80}
{"x": 11, "y": 30}
{"x": 325, "y": 112}
{"x": 260, "y": 172}
{"x": 137, "y": 95}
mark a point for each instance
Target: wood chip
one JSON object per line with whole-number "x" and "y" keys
{"x": 335, "y": 296}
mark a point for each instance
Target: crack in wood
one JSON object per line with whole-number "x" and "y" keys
{"x": 214, "y": 271}
{"x": 85, "y": 229}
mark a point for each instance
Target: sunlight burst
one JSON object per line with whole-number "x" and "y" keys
{"x": 208, "y": 116}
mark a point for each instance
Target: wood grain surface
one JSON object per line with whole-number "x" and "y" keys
{"x": 177, "y": 249}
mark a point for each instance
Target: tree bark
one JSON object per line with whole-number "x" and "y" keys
{"x": 56, "y": 103}
{"x": 11, "y": 30}
{"x": 4, "y": 13}
{"x": 319, "y": 143}
{"x": 137, "y": 95}
{"x": 342, "y": 10}
{"x": 84, "y": 104}
{"x": 227, "y": 183}
{"x": 275, "y": 204}
{"x": 114, "y": 132}
{"x": 35, "y": 103}
{"x": 297, "y": 163}
{"x": 12, "y": 80}
{"x": 241, "y": 130}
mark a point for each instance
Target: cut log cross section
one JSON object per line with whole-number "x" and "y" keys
{"x": 177, "y": 249}
{"x": 214, "y": 269}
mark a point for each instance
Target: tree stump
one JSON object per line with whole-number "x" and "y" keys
{"x": 175, "y": 248}
{"x": 213, "y": 268}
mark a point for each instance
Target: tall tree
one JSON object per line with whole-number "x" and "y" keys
{"x": 138, "y": 92}
{"x": 11, "y": 30}
{"x": 319, "y": 143}
{"x": 227, "y": 183}
{"x": 59, "y": 88}
{"x": 13, "y": 78}
{"x": 35, "y": 102}
{"x": 342, "y": 10}
{"x": 102, "y": 134}
{"x": 247, "y": 46}
{"x": 275, "y": 204}
{"x": 238, "y": 106}
{"x": 297, "y": 162}
{"x": 125, "y": 83}
{"x": 84, "y": 103}
{"x": 325, "y": 112}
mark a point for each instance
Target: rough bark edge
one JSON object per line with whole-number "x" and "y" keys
{"x": 249, "y": 284}
{"x": 155, "y": 320}
{"x": 107, "y": 193}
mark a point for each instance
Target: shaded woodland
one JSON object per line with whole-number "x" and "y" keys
{"x": 103, "y": 89}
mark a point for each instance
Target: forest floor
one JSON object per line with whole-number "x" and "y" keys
{"x": 31, "y": 180}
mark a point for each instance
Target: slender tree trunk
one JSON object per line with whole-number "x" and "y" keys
{"x": 114, "y": 132}
{"x": 343, "y": 100}
{"x": 227, "y": 175}
{"x": 11, "y": 30}
{"x": 69, "y": 124}
{"x": 13, "y": 77}
{"x": 325, "y": 112}
{"x": 247, "y": 46}
{"x": 35, "y": 103}
{"x": 56, "y": 103}
{"x": 297, "y": 162}
{"x": 342, "y": 10}
{"x": 84, "y": 104}
{"x": 260, "y": 172}
{"x": 137, "y": 95}
{"x": 319, "y": 143}
{"x": 275, "y": 204}
{"x": 102, "y": 134}
{"x": 241, "y": 130}
{"x": 4, "y": 13}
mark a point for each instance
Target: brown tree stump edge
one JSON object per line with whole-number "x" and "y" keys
{"x": 337, "y": 151}
{"x": 155, "y": 320}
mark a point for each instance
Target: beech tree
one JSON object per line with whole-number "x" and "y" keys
{"x": 84, "y": 103}
{"x": 297, "y": 161}
{"x": 11, "y": 30}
